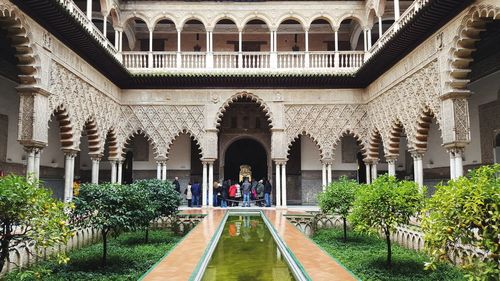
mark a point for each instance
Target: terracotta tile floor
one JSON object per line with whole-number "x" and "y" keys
{"x": 181, "y": 262}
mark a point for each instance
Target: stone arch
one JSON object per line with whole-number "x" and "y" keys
{"x": 374, "y": 142}
{"x": 66, "y": 130}
{"x": 190, "y": 134}
{"x": 463, "y": 44}
{"x": 322, "y": 16}
{"x": 307, "y": 134}
{"x": 18, "y": 31}
{"x": 135, "y": 15}
{"x": 218, "y": 18}
{"x": 193, "y": 17}
{"x": 113, "y": 146}
{"x": 150, "y": 139}
{"x": 235, "y": 139}
{"x": 93, "y": 136}
{"x": 115, "y": 17}
{"x": 251, "y": 17}
{"x": 357, "y": 135}
{"x": 241, "y": 95}
{"x": 394, "y": 138}
{"x": 294, "y": 17}
{"x": 352, "y": 16}
{"x": 163, "y": 16}
{"x": 422, "y": 129}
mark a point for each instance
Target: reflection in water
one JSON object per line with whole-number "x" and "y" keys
{"x": 246, "y": 251}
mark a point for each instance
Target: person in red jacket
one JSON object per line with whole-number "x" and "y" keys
{"x": 232, "y": 193}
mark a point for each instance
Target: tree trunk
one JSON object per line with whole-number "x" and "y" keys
{"x": 389, "y": 252}
{"x": 4, "y": 246}
{"x": 147, "y": 234}
{"x": 104, "y": 247}
{"x": 345, "y": 229}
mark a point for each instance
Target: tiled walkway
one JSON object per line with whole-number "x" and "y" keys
{"x": 182, "y": 261}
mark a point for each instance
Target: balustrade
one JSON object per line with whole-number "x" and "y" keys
{"x": 225, "y": 60}
{"x": 193, "y": 60}
{"x": 291, "y": 59}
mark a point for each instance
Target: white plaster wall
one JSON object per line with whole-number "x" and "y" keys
{"x": 52, "y": 155}
{"x": 337, "y": 161}
{"x": 309, "y": 153}
{"x": 146, "y": 165}
{"x": 9, "y": 105}
{"x": 179, "y": 157}
{"x": 436, "y": 155}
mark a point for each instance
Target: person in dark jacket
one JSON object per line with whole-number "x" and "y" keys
{"x": 196, "y": 190}
{"x": 267, "y": 192}
{"x": 224, "y": 193}
{"x": 247, "y": 188}
{"x": 177, "y": 185}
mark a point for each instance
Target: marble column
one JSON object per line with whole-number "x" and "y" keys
{"x": 158, "y": 170}
{"x": 204, "y": 185}
{"x": 329, "y": 173}
{"x": 164, "y": 171}
{"x": 30, "y": 161}
{"x": 37, "y": 163}
{"x": 418, "y": 167}
{"x": 95, "y": 168}
{"x": 459, "y": 167}
{"x": 396, "y": 10}
{"x": 283, "y": 185}
{"x": 89, "y": 9}
{"x": 374, "y": 170}
{"x": 113, "y": 171}
{"x": 69, "y": 162}
{"x": 278, "y": 186}
{"x": 120, "y": 171}
{"x": 452, "y": 164}
{"x": 391, "y": 165}
{"x": 211, "y": 184}
{"x": 368, "y": 172}
{"x": 323, "y": 175}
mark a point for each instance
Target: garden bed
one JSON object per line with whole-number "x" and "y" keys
{"x": 365, "y": 256}
{"x": 129, "y": 257}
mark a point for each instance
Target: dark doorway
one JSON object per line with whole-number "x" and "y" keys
{"x": 361, "y": 168}
{"x": 245, "y": 152}
{"x": 127, "y": 168}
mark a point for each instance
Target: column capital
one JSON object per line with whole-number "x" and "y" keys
{"x": 328, "y": 161}
{"x": 95, "y": 157}
{"x": 391, "y": 158}
{"x": 417, "y": 153}
{"x": 280, "y": 161}
{"x": 207, "y": 161}
{"x": 70, "y": 152}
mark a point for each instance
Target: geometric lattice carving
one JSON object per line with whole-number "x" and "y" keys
{"x": 83, "y": 104}
{"x": 325, "y": 124}
{"x": 161, "y": 124}
{"x": 404, "y": 104}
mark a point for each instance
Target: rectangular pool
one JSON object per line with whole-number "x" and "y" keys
{"x": 247, "y": 247}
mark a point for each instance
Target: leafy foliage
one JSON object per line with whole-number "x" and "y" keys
{"x": 466, "y": 211}
{"x": 385, "y": 204}
{"x": 163, "y": 201}
{"x": 363, "y": 255}
{"x": 29, "y": 213}
{"x": 110, "y": 208}
{"x": 129, "y": 258}
{"x": 338, "y": 198}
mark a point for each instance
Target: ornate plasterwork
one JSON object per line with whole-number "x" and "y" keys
{"x": 161, "y": 124}
{"x": 325, "y": 124}
{"x": 405, "y": 103}
{"x": 83, "y": 104}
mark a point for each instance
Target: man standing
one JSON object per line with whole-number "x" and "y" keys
{"x": 196, "y": 190}
{"x": 267, "y": 192}
{"x": 177, "y": 185}
{"x": 247, "y": 187}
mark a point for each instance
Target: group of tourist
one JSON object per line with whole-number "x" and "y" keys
{"x": 231, "y": 194}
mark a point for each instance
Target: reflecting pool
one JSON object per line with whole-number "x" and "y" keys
{"x": 246, "y": 251}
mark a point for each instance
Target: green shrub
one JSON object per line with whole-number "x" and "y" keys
{"x": 466, "y": 211}
{"x": 384, "y": 205}
{"x": 338, "y": 198}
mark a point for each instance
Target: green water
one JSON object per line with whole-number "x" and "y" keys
{"x": 246, "y": 251}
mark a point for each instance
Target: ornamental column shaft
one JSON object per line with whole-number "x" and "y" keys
{"x": 379, "y": 27}
{"x": 278, "y": 186}
{"x": 113, "y": 171}
{"x": 30, "y": 167}
{"x": 329, "y": 173}
{"x": 459, "y": 168}
{"x": 204, "y": 185}
{"x": 36, "y": 166}
{"x": 396, "y": 10}
{"x": 210, "y": 184}
{"x": 179, "y": 58}
{"x": 164, "y": 171}
{"x": 69, "y": 160}
{"x": 89, "y": 9}
{"x": 105, "y": 27}
{"x": 158, "y": 170}
{"x": 452, "y": 165}
{"x": 374, "y": 170}
{"x": 323, "y": 176}
{"x": 368, "y": 172}
{"x": 120, "y": 170}
{"x": 283, "y": 185}
{"x": 306, "y": 60}
{"x": 391, "y": 166}
{"x": 95, "y": 169}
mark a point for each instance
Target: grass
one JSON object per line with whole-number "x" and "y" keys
{"x": 365, "y": 256}
{"x": 128, "y": 258}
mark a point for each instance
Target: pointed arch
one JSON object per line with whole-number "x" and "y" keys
{"x": 394, "y": 138}
{"x": 357, "y": 135}
{"x": 309, "y": 135}
{"x": 66, "y": 130}
{"x": 243, "y": 95}
{"x": 423, "y": 125}
{"x": 112, "y": 142}
{"x": 148, "y": 137}
{"x": 18, "y": 31}
{"x": 374, "y": 143}
{"x": 189, "y": 133}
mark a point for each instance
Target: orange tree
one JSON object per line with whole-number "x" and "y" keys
{"x": 28, "y": 213}
{"x": 384, "y": 205}
{"x": 466, "y": 211}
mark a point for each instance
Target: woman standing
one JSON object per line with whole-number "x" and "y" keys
{"x": 189, "y": 195}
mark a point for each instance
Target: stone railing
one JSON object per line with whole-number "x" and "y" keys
{"x": 343, "y": 61}
{"x": 408, "y": 236}
{"x": 408, "y": 15}
{"x": 87, "y": 24}
{"x": 24, "y": 254}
